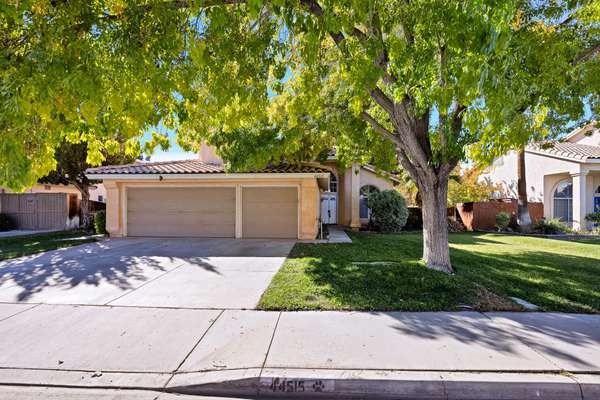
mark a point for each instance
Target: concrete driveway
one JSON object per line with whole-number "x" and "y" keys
{"x": 187, "y": 273}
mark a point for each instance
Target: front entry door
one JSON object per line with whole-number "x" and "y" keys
{"x": 329, "y": 208}
{"x": 597, "y": 204}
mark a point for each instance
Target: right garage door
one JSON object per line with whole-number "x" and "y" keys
{"x": 270, "y": 212}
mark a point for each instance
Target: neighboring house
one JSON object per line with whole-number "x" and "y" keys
{"x": 97, "y": 192}
{"x": 564, "y": 176}
{"x": 197, "y": 198}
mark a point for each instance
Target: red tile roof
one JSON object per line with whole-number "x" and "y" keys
{"x": 575, "y": 151}
{"x": 194, "y": 167}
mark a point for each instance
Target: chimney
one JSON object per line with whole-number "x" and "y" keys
{"x": 208, "y": 155}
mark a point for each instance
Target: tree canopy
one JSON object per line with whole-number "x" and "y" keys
{"x": 416, "y": 83}
{"x": 269, "y": 73}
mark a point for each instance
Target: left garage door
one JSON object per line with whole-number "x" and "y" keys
{"x": 181, "y": 212}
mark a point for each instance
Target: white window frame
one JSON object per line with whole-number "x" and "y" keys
{"x": 569, "y": 201}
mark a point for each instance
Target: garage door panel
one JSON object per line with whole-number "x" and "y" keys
{"x": 270, "y": 212}
{"x": 199, "y": 212}
{"x": 185, "y": 218}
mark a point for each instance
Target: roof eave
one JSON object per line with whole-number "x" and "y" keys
{"x": 580, "y": 160}
{"x": 207, "y": 176}
{"x": 581, "y": 129}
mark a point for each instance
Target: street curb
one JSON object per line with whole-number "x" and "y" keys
{"x": 327, "y": 384}
{"x": 355, "y": 384}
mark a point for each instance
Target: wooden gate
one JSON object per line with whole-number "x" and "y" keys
{"x": 38, "y": 211}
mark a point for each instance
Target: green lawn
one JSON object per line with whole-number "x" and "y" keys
{"x": 24, "y": 245}
{"x": 384, "y": 272}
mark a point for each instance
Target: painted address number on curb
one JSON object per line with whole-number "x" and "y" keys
{"x": 297, "y": 385}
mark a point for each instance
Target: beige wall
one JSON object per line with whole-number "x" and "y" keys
{"x": 544, "y": 173}
{"x": 308, "y": 193}
{"x": 503, "y": 172}
{"x": 349, "y": 184}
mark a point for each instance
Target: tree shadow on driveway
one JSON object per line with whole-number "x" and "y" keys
{"x": 123, "y": 264}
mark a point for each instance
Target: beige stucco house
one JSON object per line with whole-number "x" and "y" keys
{"x": 197, "y": 198}
{"x": 564, "y": 176}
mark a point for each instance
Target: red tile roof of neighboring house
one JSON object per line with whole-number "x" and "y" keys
{"x": 575, "y": 151}
{"x": 194, "y": 167}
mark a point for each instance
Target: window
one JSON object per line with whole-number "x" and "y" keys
{"x": 47, "y": 187}
{"x": 333, "y": 184}
{"x": 563, "y": 201}
{"x": 101, "y": 198}
{"x": 365, "y": 192}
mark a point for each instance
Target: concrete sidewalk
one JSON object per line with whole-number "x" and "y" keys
{"x": 326, "y": 354}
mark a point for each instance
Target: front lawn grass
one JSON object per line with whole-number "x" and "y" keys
{"x": 19, "y": 246}
{"x": 384, "y": 272}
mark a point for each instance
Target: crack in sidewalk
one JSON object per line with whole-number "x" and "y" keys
{"x": 192, "y": 349}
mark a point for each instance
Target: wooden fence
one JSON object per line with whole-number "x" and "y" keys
{"x": 482, "y": 215}
{"x": 40, "y": 211}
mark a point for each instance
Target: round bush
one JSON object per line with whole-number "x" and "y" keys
{"x": 502, "y": 220}
{"x": 550, "y": 227}
{"x": 388, "y": 211}
{"x": 593, "y": 217}
{"x": 100, "y": 222}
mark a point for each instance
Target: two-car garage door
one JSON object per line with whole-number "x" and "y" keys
{"x": 267, "y": 212}
{"x": 194, "y": 212}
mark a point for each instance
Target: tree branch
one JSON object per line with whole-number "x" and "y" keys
{"x": 379, "y": 128}
{"x": 383, "y": 60}
{"x": 338, "y": 38}
{"x": 401, "y": 146}
{"x": 383, "y": 100}
{"x": 587, "y": 54}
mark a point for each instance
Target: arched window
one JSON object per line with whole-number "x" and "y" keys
{"x": 365, "y": 192}
{"x": 333, "y": 184}
{"x": 563, "y": 201}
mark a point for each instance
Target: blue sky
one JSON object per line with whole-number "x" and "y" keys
{"x": 175, "y": 152}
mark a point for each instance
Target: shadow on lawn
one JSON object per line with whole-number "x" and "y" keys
{"x": 122, "y": 263}
{"x": 552, "y": 280}
{"x": 555, "y": 282}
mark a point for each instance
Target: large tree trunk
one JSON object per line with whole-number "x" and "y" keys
{"x": 436, "y": 252}
{"x": 523, "y": 217}
{"x": 86, "y": 221}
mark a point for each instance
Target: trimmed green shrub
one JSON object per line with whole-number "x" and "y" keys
{"x": 593, "y": 217}
{"x": 414, "y": 221}
{"x": 388, "y": 211}
{"x": 7, "y": 223}
{"x": 502, "y": 220}
{"x": 100, "y": 222}
{"x": 550, "y": 227}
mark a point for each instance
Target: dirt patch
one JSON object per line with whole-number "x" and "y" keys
{"x": 486, "y": 300}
